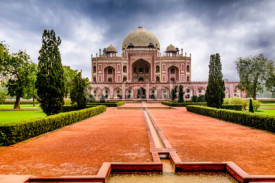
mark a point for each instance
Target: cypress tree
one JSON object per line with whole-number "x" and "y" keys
{"x": 215, "y": 89}
{"x": 172, "y": 95}
{"x": 50, "y": 81}
{"x": 180, "y": 95}
{"x": 251, "y": 106}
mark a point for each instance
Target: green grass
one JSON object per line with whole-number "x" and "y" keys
{"x": 22, "y": 106}
{"x": 15, "y": 116}
{"x": 268, "y": 105}
{"x": 266, "y": 111}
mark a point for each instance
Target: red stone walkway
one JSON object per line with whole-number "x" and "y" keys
{"x": 81, "y": 148}
{"x": 199, "y": 138}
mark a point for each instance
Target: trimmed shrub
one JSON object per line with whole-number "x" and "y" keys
{"x": 107, "y": 104}
{"x": 236, "y": 101}
{"x": 267, "y": 101}
{"x": 260, "y": 121}
{"x": 67, "y": 102}
{"x": 233, "y": 107}
{"x": 102, "y": 99}
{"x": 201, "y": 98}
{"x": 194, "y": 98}
{"x": 256, "y": 104}
{"x": 182, "y": 104}
{"x": 251, "y": 106}
{"x": 12, "y": 133}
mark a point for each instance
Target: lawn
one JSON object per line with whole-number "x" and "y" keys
{"x": 22, "y": 106}
{"x": 268, "y": 105}
{"x": 14, "y": 116}
{"x": 266, "y": 111}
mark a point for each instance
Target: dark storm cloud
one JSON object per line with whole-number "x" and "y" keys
{"x": 232, "y": 28}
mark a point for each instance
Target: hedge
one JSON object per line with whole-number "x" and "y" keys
{"x": 236, "y": 107}
{"x": 182, "y": 104}
{"x": 107, "y": 104}
{"x": 15, "y": 132}
{"x": 267, "y": 101}
{"x": 260, "y": 121}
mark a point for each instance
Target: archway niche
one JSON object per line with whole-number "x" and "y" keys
{"x": 129, "y": 92}
{"x": 109, "y": 74}
{"x": 153, "y": 93}
{"x": 165, "y": 93}
{"x": 118, "y": 93}
{"x": 173, "y": 72}
{"x": 157, "y": 79}
{"x": 124, "y": 69}
{"x": 106, "y": 92}
{"x": 141, "y": 93}
{"x": 157, "y": 69}
{"x": 141, "y": 69}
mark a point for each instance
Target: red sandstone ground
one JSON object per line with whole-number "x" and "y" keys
{"x": 199, "y": 138}
{"x": 81, "y": 148}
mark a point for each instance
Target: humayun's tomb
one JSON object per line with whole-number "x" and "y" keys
{"x": 142, "y": 73}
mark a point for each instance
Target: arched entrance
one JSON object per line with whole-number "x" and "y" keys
{"x": 141, "y": 71}
{"x": 141, "y": 93}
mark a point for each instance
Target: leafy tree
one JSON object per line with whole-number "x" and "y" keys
{"x": 69, "y": 75}
{"x": 3, "y": 96}
{"x": 31, "y": 91}
{"x": 77, "y": 94}
{"x": 270, "y": 78}
{"x": 4, "y": 60}
{"x": 251, "y": 106}
{"x": 180, "y": 94}
{"x": 215, "y": 89}
{"x": 19, "y": 69}
{"x": 50, "y": 78}
{"x": 253, "y": 72}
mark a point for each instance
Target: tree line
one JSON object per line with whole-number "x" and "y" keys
{"x": 49, "y": 82}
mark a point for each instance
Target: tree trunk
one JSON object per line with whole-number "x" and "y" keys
{"x": 33, "y": 101}
{"x": 17, "y": 103}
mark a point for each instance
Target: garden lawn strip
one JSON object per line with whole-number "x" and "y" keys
{"x": 198, "y": 138}
{"x": 81, "y": 148}
{"x": 15, "y": 116}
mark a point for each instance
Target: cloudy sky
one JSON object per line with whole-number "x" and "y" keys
{"x": 232, "y": 28}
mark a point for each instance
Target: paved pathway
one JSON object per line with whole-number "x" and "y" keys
{"x": 81, "y": 148}
{"x": 200, "y": 138}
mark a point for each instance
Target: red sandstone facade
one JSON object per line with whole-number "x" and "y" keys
{"x": 141, "y": 71}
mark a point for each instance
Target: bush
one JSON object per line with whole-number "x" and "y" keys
{"x": 12, "y": 133}
{"x": 256, "y": 104}
{"x": 67, "y": 102}
{"x": 236, "y": 101}
{"x": 260, "y": 121}
{"x": 102, "y": 99}
{"x": 194, "y": 98}
{"x": 182, "y": 104}
{"x": 233, "y": 107}
{"x": 107, "y": 104}
{"x": 267, "y": 101}
{"x": 201, "y": 98}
